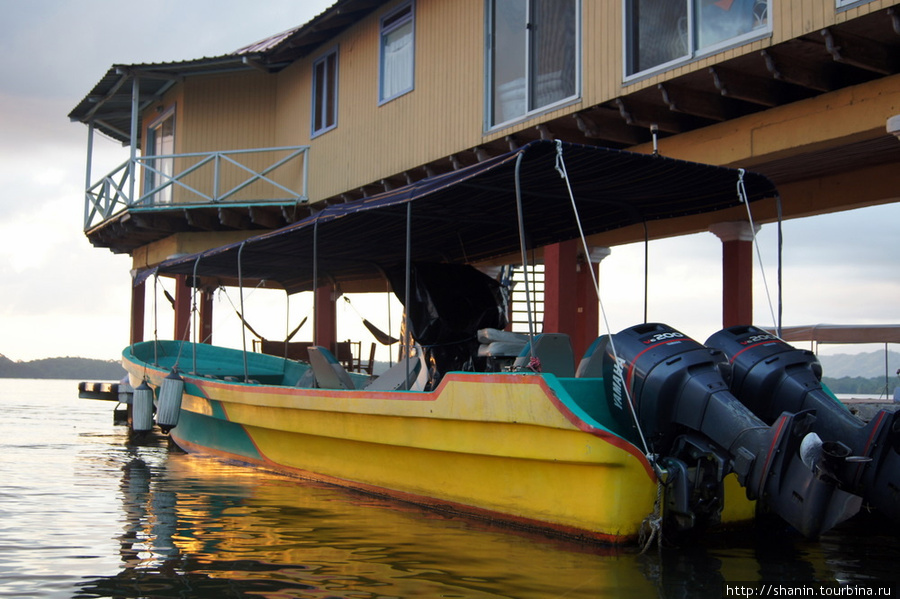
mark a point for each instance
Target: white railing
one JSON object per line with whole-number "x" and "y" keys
{"x": 206, "y": 178}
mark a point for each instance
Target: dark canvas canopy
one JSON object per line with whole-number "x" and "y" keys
{"x": 470, "y": 215}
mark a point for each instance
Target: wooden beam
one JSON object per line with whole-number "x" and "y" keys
{"x": 201, "y": 219}
{"x": 233, "y": 218}
{"x": 695, "y": 103}
{"x": 746, "y": 87}
{"x": 790, "y": 70}
{"x": 641, "y": 114}
{"x": 606, "y": 124}
{"x": 265, "y": 217}
{"x": 860, "y": 52}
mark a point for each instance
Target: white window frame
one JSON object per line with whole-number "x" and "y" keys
{"x": 530, "y": 112}
{"x": 693, "y": 51}
{"x": 166, "y": 166}
{"x": 845, "y": 4}
{"x": 390, "y": 23}
{"x": 319, "y": 102}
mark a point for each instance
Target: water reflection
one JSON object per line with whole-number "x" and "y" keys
{"x": 199, "y": 527}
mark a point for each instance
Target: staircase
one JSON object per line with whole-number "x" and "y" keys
{"x": 518, "y": 302}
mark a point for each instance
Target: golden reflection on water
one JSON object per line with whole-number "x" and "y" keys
{"x": 226, "y": 522}
{"x": 85, "y": 512}
{"x": 213, "y": 527}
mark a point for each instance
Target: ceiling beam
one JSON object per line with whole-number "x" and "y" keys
{"x": 864, "y": 53}
{"x": 749, "y": 88}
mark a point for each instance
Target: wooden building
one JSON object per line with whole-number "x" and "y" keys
{"x": 371, "y": 95}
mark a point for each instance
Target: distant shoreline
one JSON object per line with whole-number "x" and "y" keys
{"x": 62, "y": 368}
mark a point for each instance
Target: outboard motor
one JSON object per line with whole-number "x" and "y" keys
{"x": 771, "y": 377}
{"x": 702, "y": 432}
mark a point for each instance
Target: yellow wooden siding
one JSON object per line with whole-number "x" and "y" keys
{"x": 441, "y": 115}
{"x": 444, "y": 113}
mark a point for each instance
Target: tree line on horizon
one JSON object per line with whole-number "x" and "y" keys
{"x": 62, "y": 368}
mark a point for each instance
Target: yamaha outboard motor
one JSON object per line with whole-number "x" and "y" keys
{"x": 674, "y": 388}
{"x": 771, "y": 377}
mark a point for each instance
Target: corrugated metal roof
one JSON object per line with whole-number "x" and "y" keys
{"x": 108, "y": 104}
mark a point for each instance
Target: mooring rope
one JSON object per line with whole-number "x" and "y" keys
{"x": 651, "y": 527}
{"x": 561, "y": 169}
{"x": 653, "y": 521}
{"x": 742, "y": 196}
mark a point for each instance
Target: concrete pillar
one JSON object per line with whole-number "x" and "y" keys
{"x": 570, "y": 300}
{"x": 737, "y": 271}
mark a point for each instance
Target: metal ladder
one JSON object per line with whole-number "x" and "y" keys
{"x": 518, "y": 303}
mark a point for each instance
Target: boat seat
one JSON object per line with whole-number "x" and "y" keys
{"x": 554, "y": 350}
{"x": 495, "y": 343}
{"x": 328, "y": 371}
{"x": 397, "y": 377}
{"x": 591, "y": 365}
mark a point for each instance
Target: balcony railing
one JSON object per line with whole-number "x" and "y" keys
{"x": 254, "y": 176}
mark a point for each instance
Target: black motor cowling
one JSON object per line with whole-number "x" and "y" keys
{"x": 770, "y": 376}
{"x": 674, "y": 388}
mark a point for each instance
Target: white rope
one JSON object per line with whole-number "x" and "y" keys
{"x": 561, "y": 169}
{"x": 742, "y": 196}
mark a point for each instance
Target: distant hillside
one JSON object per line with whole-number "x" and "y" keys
{"x": 62, "y": 368}
{"x": 865, "y": 365}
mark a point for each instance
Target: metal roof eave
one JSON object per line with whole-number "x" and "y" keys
{"x": 108, "y": 105}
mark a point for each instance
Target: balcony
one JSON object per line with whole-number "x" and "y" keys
{"x": 151, "y": 197}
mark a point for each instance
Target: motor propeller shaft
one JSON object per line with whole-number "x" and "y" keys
{"x": 673, "y": 388}
{"x": 770, "y": 376}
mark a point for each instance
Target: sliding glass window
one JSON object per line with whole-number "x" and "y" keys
{"x": 325, "y": 88}
{"x": 662, "y": 33}
{"x": 532, "y": 56}
{"x": 397, "y": 53}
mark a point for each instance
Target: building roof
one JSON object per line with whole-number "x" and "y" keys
{"x": 108, "y": 105}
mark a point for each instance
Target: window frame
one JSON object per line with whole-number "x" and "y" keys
{"x": 693, "y": 52}
{"x": 320, "y": 106}
{"x": 165, "y": 165}
{"x": 398, "y": 22}
{"x": 840, "y": 5}
{"x": 488, "y": 124}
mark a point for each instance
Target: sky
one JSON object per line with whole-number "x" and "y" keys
{"x": 59, "y": 296}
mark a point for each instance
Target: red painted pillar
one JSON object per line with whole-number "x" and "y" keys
{"x": 570, "y": 300}
{"x": 182, "y": 309}
{"x": 737, "y": 272}
{"x": 325, "y": 331}
{"x": 206, "y": 316}
{"x": 138, "y": 299}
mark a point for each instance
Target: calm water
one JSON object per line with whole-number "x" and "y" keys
{"x": 85, "y": 513}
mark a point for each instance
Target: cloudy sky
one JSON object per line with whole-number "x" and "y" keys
{"x": 61, "y": 297}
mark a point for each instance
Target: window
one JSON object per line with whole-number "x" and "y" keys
{"x": 397, "y": 53}
{"x": 849, "y": 3}
{"x": 532, "y": 57}
{"x": 324, "y": 101}
{"x": 159, "y": 171}
{"x": 662, "y": 32}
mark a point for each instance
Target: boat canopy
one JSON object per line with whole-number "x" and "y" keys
{"x": 472, "y": 215}
{"x": 843, "y": 333}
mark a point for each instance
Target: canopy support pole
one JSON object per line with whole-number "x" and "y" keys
{"x": 408, "y": 281}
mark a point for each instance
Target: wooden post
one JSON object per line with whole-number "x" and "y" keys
{"x": 570, "y": 300}
{"x": 206, "y": 316}
{"x": 737, "y": 272}
{"x": 182, "y": 309}
{"x": 138, "y": 300}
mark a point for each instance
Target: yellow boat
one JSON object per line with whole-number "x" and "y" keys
{"x": 643, "y": 433}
